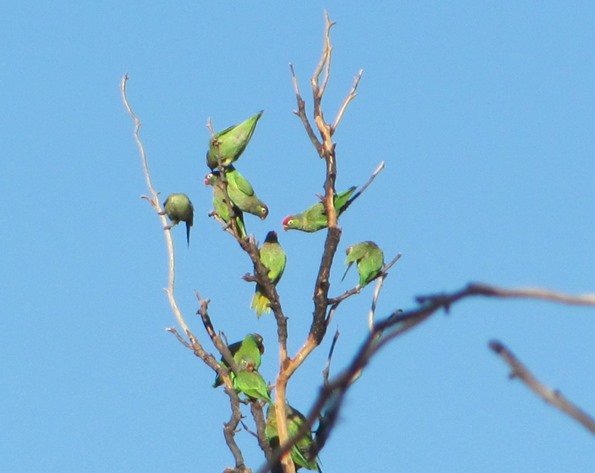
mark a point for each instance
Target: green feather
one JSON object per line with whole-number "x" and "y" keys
{"x": 300, "y": 452}
{"x": 179, "y": 209}
{"x": 229, "y": 144}
{"x": 252, "y": 384}
{"x": 315, "y": 218}
{"x": 246, "y": 353}
{"x": 369, "y": 258}
{"x": 220, "y": 202}
{"x": 273, "y": 258}
{"x": 242, "y": 194}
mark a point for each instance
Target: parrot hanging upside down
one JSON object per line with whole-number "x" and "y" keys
{"x": 178, "y": 208}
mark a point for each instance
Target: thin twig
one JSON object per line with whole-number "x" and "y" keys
{"x": 175, "y": 333}
{"x": 348, "y": 99}
{"x": 327, "y": 366}
{"x": 159, "y": 210}
{"x": 301, "y": 113}
{"x": 399, "y": 322}
{"x": 324, "y": 63}
{"x": 378, "y": 288}
{"x": 229, "y": 430}
{"x": 551, "y": 396}
{"x": 193, "y": 343}
{"x": 220, "y": 345}
{"x": 259, "y": 421}
{"x": 361, "y": 190}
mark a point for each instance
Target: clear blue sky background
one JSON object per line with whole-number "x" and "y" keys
{"x": 485, "y": 116}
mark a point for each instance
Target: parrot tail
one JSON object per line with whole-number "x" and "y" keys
{"x": 260, "y": 303}
{"x": 241, "y": 227}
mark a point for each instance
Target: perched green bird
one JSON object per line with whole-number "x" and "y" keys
{"x": 273, "y": 258}
{"x": 252, "y": 384}
{"x": 300, "y": 452}
{"x": 179, "y": 209}
{"x": 369, "y": 258}
{"x": 229, "y": 144}
{"x": 315, "y": 218}
{"x": 220, "y": 202}
{"x": 242, "y": 194}
{"x": 246, "y": 353}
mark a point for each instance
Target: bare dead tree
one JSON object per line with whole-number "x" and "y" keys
{"x": 329, "y": 402}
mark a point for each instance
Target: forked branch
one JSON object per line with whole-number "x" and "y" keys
{"x": 330, "y": 399}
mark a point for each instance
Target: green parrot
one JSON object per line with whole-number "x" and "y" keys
{"x": 315, "y": 218}
{"x": 230, "y": 143}
{"x": 273, "y": 258}
{"x": 246, "y": 353}
{"x": 300, "y": 451}
{"x": 252, "y": 384}
{"x": 220, "y": 204}
{"x": 242, "y": 194}
{"x": 369, "y": 259}
{"x": 178, "y": 208}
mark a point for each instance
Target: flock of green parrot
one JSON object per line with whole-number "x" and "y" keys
{"x": 247, "y": 355}
{"x": 233, "y": 195}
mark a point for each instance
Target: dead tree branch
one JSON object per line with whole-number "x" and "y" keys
{"x": 154, "y": 201}
{"x": 552, "y": 396}
{"x": 396, "y": 324}
{"x": 192, "y": 343}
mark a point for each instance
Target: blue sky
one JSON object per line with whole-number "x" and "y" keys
{"x": 484, "y": 113}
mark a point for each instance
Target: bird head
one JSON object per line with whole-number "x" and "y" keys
{"x": 288, "y": 222}
{"x": 259, "y": 342}
{"x": 211, "y": 177}
{"x": 263, "y": 210}
{"x": 271, "y": 237}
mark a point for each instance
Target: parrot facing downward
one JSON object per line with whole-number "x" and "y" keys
{"x": 220, "y": 202}
{"x": 242, "y": 194}
{"x": 229, "y": 144}
{"x": 315, "y": 218}
{"x": 179, "y": 209}
{"x": 273, "y": 258}
{"x": 246, "y": 353}
{"x": 300, "y": 452}
{"x": 369, "y": 258}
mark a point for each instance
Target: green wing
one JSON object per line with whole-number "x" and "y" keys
{"x": 230, "y": 143}
{"x": 370, "y": 265}
{"x": 342, "y": 198}
{"x": 242, "y": 194}
{"x": 250, "y": 352}
{"x": 369, "y": 258}
{"x": 220, "y": 204}
{"x": 235, "y": 179}
{"x": 179, "y": 208}
{"x": 233, "y": 349}
{"x": 252, "y": 384}
{"x": 273, "y": 258}
{"x": 301, "y": 450}
{"x": 314, "y": 218}
{"x": 247, "y": 352}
